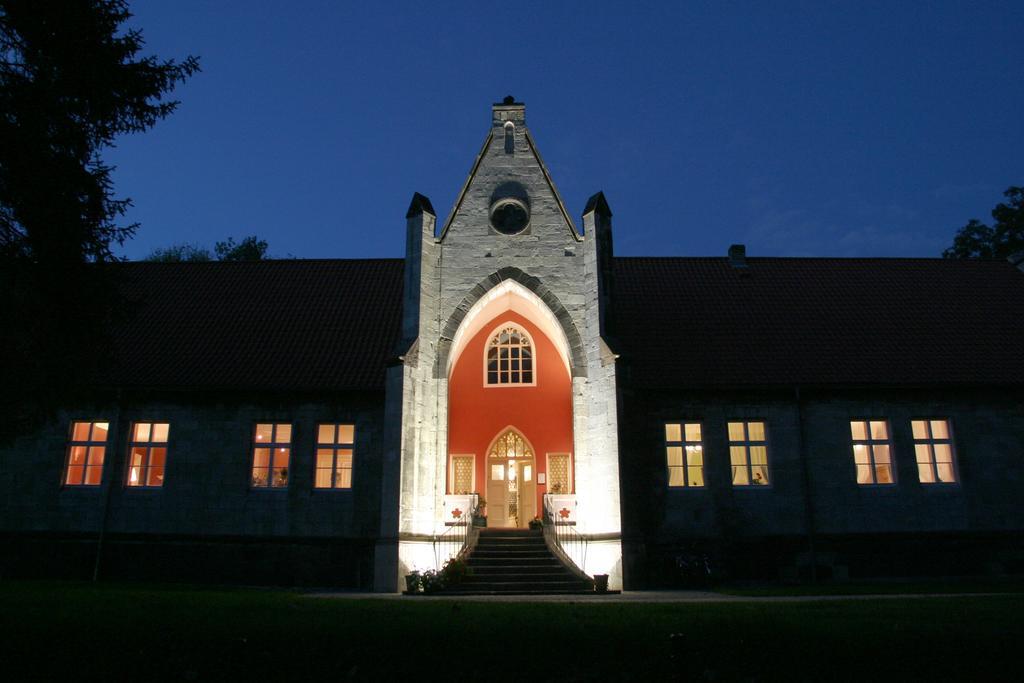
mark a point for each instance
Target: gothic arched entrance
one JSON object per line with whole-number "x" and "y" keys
{"x": 510, "y": 407}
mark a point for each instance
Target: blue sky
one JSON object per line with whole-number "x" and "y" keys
{"x": 800, "y": 129}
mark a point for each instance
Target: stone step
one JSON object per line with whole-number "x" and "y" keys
{"x": 513, "y": 542}
{"x": 488, "y": 569}
{"x": 460, "y": 593}
{"x": 510, "y": 533}
{"x": 505, "y": 577}
{"x": 520, "y": 554}
{"x": 503, "y": 562}
{"x": 513, "y": 554}
{"x": 496, "y": 586}
{"x": 516, "y": 562}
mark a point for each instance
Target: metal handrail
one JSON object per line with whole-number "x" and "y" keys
{"x": 457, "y": 538}
{"x": 563, "y": 538}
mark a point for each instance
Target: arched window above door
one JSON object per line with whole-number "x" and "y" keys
{"x": 509, "y": 358}
{"x": 510, "y": 445}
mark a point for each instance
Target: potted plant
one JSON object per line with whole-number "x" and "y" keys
{"x": 480, "y": 514}
{"x": 536, "y": 523}
{"x": 413, "y": 582}
{"x": 432, "y": 581}
{"x": 454, "y": 571}
{"x": 281, "y": 478}
{"x": 600, "y": 583}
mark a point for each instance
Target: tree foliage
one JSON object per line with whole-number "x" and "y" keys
{"x": 1002, "y": 239}
{"x": 180, "y": 253}
{"x": 251, "y": 248}
{"x": 71, "y": 81}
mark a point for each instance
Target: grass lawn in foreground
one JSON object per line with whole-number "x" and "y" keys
{"x": 877, "y": 587}
{"x": 126, "y": 632}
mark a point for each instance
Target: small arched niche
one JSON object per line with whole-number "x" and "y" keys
{"x": 510, "y": 137}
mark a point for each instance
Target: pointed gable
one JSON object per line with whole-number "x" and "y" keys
{"x": 510, "y": 168}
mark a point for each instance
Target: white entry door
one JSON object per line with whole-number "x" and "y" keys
{"x": 511, "y": 482}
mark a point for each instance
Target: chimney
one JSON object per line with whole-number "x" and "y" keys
{"x": 738, "y": 256}
{"x": 1017, "y": 259}
{"x": 508, "y": 110}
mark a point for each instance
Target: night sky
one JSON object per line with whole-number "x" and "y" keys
{"x": 800, "y": 129}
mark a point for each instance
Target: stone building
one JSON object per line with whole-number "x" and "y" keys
{"x": 328, "y": 422}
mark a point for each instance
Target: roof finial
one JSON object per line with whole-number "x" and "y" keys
{"x": 509, "y": 100}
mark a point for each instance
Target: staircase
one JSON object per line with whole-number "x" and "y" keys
{"x": 516, "y": 562}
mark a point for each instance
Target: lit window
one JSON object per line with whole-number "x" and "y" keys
{"x": 748, "y": 453}
{"x": 271, "y": 450}
{"x": 872, "y": 451}
{"x": 684, "y": 449}
{"x": 334, "y": 456}
{"x": 147, "y": 457}
{"x": 463, "y": 472}
{"x": 559, "y": 475}
{"x": 87, "y": 448}
{"x": 510, "y": 357}
{"x": 933, "y": 447}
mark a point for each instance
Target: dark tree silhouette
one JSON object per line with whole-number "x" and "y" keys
{"x": 249, "y": 249}
{"x": 180, "y": 253}
{"x": 1003, "y": 239}
{"x": 71, "y": 82}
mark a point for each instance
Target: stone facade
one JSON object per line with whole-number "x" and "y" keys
{"x": 551, "y": 264}
{"x": 208, "y": 524}
{"x": 814, "y": 507}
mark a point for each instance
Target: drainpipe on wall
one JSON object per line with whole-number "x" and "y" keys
{"x": 805, "y": 476}
{"x": 111, "y": 483}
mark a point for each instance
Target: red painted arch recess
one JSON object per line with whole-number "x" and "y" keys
{"x": 477, "y": 413}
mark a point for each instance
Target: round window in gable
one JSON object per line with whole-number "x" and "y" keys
{"x": 509, "y": 216}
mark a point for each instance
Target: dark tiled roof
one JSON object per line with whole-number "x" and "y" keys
{"x": 333, "y": 324}
{"x": 696, "y": 321}
{"x": 288, "y": 324}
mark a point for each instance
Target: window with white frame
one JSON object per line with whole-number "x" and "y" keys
{"x": 872, "y": 451}
{"x": 684, "y": 453}
{"x": 334, "y": 444}
{"x": 510, "y": 358}
{"x": 271, "y": 451}
{"x": 87, "y": 448}
{"x": 748, "y": 453}
{"x": 933, "y": 449}
{"x": 147, "y": 454}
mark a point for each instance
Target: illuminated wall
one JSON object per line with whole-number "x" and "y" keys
{"x": 477, "y": 413}
{"x": 458, "y": 280}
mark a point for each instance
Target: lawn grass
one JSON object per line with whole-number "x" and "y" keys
{"x": 878, "y": 587}
{"x": 125, "y": 632}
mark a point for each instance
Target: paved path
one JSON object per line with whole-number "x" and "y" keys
{"x": 651, "y": 597}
